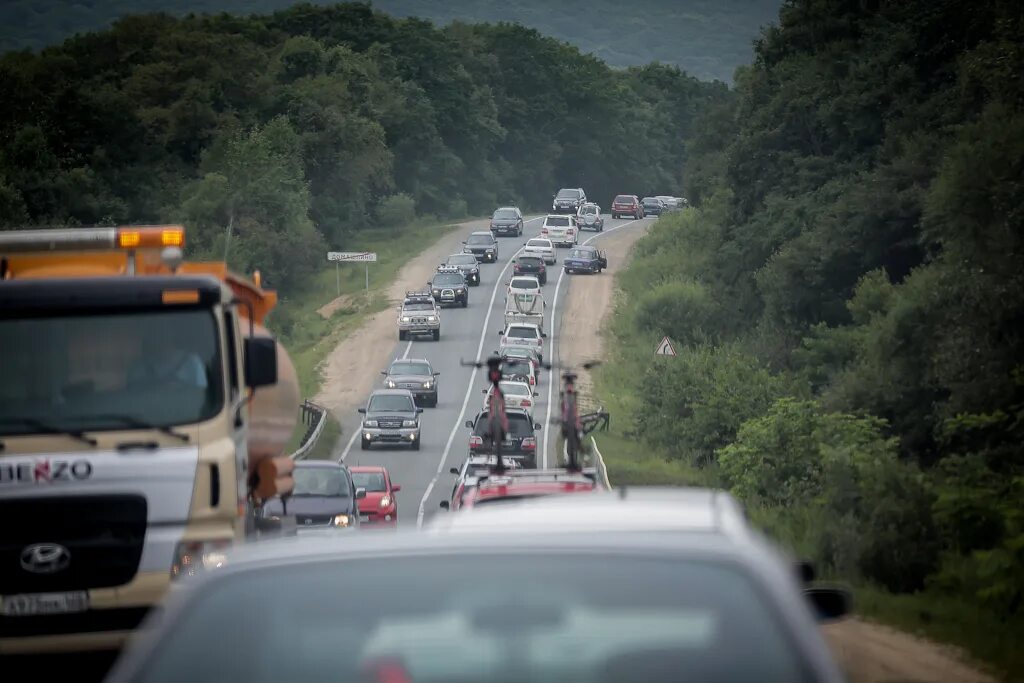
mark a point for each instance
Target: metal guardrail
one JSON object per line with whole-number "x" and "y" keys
{"x": 315, "y": 417}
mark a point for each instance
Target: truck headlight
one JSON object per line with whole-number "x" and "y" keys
{"x": 192, "y": 557}
{"x": 341, "y": 520}
{"x": 428, "y": 384}
{"x": 408, "y": 423}
{"x": 370, "y": 423}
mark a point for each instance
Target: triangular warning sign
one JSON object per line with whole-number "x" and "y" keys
{"x": 665, "y": 348}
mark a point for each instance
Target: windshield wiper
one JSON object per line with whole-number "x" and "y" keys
{"x": 133, "y": 421}
{"x": 47, "y": 428}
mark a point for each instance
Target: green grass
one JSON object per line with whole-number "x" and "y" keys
{"x": 978, "y": 631}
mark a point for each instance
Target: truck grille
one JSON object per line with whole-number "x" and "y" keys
{"x": 390, "y": 423}
{"x": 103, "y": 535}
{"x": 447, "y": 293}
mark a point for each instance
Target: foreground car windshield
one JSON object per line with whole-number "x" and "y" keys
{"x": 320, "y": 481}
{"x": 576, "y": 619}
{"x": 396, "y": 403}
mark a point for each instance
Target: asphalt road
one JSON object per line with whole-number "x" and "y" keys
{"x": 470, "y": 333}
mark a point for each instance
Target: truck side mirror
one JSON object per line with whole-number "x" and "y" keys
{"x": 260, "y": 361}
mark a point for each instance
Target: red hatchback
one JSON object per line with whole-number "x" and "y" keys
{"x": 627, "y": 205}
{"x": 379, "y": 507}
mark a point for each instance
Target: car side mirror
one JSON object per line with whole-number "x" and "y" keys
{"x": 437, "y": 374}
{"x": 463, "y": 242}
{"x": 445, "y": 505}
{"x": 469, "y": 423}
{"x": 544, "y": 334}
{"x": 453, "y": 470}
{"x": 260, "y": 361}
{"x": 383, "y": 372}
{"x": 360, "y": 493}
{"x": 829, "y": 603}
{"x": 535, "y": 394}
{"x": 396, "y": 488}
{"x": 483, "y": 391}
{"x": 536, "y": 425}
{"x": 361, "y": 410}
{"x": 501, "y": 332}
{"x": 805, "y": 571}
{"x": 419, "y": 410}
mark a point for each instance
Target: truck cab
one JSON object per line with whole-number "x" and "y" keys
{"x": 131, "y": 443}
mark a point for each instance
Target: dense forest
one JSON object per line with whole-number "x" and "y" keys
{"x": 282, "y": 134}
{"x": 706, "y": 38}
{"x": 848, "y": 297}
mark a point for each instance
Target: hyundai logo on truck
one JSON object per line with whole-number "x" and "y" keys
{"x": 44, "y": 471}
{"x": 45, "y": 558}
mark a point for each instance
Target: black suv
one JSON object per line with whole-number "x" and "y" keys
{"x": 448, "y": 286}
{"x": 415, "y": 374}
{"x": 520, "y": 443}
{"x": 569, "y": 200}
{"x": 507, "y": 221}
{"x": 531, "y": 265}
{"x": 483, "y": 245}
{"x": 466, "y": 263}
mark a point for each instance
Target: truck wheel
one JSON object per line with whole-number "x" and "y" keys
{"x": 437, "y": 335}
{"x": 364, "y": 444}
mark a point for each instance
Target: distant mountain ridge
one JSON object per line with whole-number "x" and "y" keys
{"x": 706, "y": 38}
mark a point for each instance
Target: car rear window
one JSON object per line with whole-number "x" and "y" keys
{"x": 418, "y": 307}
{"x": 517, "y": 332}
{"x": 568, "y": 194}
{"x": 529, "y": 261}
{"x": 519, "y": 425}
{"x": 539, "y": 243}
{"x": 523, "y": 283}
{"x": 515, "y": 389}
{"x": 558, "y": 221}
{"x": 575, "y": 619}
{"x": 623, "y": 199}
{"x": 516, "y": 367}
{"x": 505, "y": 213}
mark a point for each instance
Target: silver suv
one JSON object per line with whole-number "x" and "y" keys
{"x": 419, "y": 315}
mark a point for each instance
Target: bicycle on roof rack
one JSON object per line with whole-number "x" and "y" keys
{"x": 497, "y": 419}
{"x": 575, "y": 426}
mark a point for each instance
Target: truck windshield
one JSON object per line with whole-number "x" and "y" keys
{"x": 105, "y": 371}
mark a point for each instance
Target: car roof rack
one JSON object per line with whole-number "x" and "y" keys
{"x": 448, "y": 269}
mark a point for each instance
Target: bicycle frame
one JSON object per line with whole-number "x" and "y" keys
{"x": 497, "y": 419}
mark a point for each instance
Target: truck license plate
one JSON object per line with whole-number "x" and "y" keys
{"x": 32, "y": 604}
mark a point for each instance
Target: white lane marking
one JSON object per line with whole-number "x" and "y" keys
{"x": 554, "y": 378}
{"x": 469, "y": 387}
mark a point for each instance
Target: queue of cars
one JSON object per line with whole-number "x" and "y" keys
{"x": 569, "y": 581}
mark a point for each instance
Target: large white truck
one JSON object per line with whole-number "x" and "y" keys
{"x": 144, "y": 414}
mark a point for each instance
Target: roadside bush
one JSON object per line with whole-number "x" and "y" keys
{"x": 396, "y": 211}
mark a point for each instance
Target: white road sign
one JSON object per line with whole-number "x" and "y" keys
{"x": 361, "y": 256}
{"x": 665, "y": 348}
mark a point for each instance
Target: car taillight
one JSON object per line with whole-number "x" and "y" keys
{"x": 569, "y": 231}
{"x": 533, "y": 380}
{"x": 529, "y": 443}
{"x": 543, "y": 231}
{"x": 476, "y": 441}
{"x": 542, "y": 268}
{"x": 526, "y": 402}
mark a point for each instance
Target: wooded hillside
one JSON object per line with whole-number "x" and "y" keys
{"x": 848, "y": 300}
